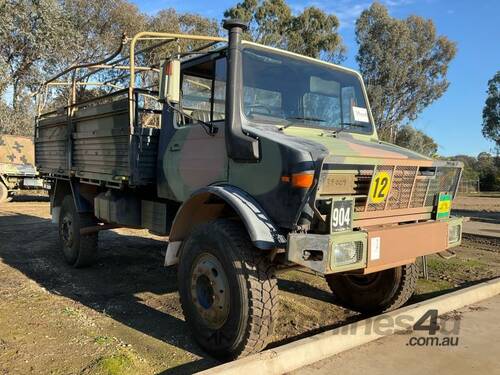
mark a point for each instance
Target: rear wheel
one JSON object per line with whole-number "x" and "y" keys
{"x": 228, "y": 290}
{"x": 78, "y": 250}
{"x": 377, "y": 292}
{"x": 4, "y": 193}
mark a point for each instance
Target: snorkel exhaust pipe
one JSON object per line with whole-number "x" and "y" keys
{"x": 239, "y": 146}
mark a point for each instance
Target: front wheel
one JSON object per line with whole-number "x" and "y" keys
{"x": 228, "y": 290}
{"x": 79, "y": 250}
{"x": 376, "y": 292}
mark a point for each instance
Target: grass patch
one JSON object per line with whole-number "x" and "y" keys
{"x": 116, "y": 364}
{"x": 102, "y": 340}
{"x": 69, "y": 311}
{"x": 441, "y": 266}
{"x": 429, "y": 286}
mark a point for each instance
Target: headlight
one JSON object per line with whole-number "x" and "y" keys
{"x": 453, "y": 233}
{"x": 347, "y": 253}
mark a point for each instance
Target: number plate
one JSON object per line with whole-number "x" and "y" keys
{"x": 341, "y": 215}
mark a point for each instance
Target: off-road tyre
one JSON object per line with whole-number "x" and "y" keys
{"x": 79, "y": 250}
{"x": 252, "y": 305}
{"x": 4, "y": 193}
{"x": 375, "y": 293}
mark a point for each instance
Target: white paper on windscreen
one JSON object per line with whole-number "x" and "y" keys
{"x": 360, "y": 114}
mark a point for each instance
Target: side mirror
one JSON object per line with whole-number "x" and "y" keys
{"x": 170, "y": 80}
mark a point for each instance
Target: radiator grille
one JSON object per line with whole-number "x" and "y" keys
{"x": 402, "y": 183}
{"x": 419, "y": 192}
{"x": 411, "y": 187}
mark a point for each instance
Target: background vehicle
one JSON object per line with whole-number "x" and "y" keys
{"x": 17, "y": 166}
{"x": 249, "y": 158}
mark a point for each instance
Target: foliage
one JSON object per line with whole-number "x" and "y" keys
{"x": 469, "y": 173}
{"x": 34, "y": 35}
{"x": 484, "y": 167}
{"x": 17, "y": 122}
{"x": 489, "y": 172}
{"x": 184, "y": 23}
{"x": 313, "y": 32}
{"x": 491, "y": 111}
{"x": 416, "y": 140}
{"x": 98, "y": 26}
{"x": 404, "y": 64}
{"x": 43, "y": 37}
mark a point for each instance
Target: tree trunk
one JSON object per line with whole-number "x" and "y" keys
{"x": 14, "y": 94}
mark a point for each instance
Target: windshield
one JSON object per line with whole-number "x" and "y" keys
{"x": 281, "y": 89}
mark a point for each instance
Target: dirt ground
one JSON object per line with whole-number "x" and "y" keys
{"x": 122, "y": 316}
{"x": 486, "y": 205}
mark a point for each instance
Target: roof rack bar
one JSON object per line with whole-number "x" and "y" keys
{"x": 113, "y": 62}
{"x": 132, "y": 54}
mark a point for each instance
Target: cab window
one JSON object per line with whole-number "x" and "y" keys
{"x": 202, "y": 92}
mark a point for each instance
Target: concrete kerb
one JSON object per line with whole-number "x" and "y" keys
{"x": 315, "y": 348}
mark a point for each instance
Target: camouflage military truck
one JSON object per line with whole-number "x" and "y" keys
{"x": 250, "y": 159}
{"x": 17, "y": 166}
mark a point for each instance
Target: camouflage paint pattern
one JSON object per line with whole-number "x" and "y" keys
{"x": 193, "y": 160}
{"x": 16, "y": 156}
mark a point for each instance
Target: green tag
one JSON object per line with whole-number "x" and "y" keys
{"x": 443, "y": 206}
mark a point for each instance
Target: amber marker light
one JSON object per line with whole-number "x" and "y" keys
{"x": 302, "y": 180}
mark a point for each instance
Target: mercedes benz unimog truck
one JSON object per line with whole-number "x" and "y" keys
{"x": 250, "y": 159}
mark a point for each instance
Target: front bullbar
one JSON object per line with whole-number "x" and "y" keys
{"x": 374, "y": 248}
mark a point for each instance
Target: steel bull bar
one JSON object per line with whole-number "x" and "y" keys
{"x": 374, "y": 248}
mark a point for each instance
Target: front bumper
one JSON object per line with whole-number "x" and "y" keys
{"x": 374, "y": 248}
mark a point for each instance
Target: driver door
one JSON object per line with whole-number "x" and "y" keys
{"x": 196, "y": 156}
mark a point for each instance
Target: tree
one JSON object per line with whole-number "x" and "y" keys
{"x": 168, "y": 20}
{"x": 34, "y": 34}
{"x": 470, "y": 171}
{"x": 489, "y": 172}
{"x": 404, "y": 64}
{"x": 416, "y": 140}
{"x": 99, "y": 25}
{"x": 41, "y": 37}
{"x": 491, "y": 111}
{"x": 313, "y": 32}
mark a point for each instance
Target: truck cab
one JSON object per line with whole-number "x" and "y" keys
{"x": 259, "y": 159}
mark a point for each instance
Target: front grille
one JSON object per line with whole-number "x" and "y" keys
{"x": 419, "y": 193}
{"x": 402, "y": 182}
{"x": 411, "y": 187}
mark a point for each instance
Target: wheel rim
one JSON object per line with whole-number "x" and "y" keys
{"x": 67, "y": 230}
{"x": 210, "y": 290}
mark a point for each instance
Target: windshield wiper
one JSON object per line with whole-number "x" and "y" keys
{"x": 315, "y": 119}
{"x": 345, "y": 125}
{"x": 306, "y": 118}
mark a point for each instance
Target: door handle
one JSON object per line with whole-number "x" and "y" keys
{"x": 175, "y": 147}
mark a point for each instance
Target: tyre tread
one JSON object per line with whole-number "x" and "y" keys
{"x": 402, "y": 294}
{"x": 261, "y": 283}
{"x": 88, "y": 243}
